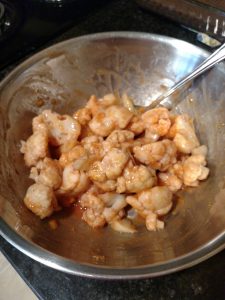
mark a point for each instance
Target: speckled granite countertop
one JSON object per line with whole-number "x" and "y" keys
{"x": 205, "y": 281}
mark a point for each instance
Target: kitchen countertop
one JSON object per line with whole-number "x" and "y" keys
{"x": 12, "y": 286}
{"x": 204, "y": 281}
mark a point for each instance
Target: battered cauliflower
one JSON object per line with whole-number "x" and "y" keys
{"x": 112, "y": 159}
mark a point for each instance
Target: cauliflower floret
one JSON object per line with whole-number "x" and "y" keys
{"x": 102, "y": 209}
{"x": 98, "y": 176}
{"x": 113, "y": 117}
{"x": 136, "y": 179}
{"x": 38, "y": 123}
{"x": 95, "y": 105}
{"x": 40, "y": 199}
{"x": 157, "y": 123}
{"x": 89, "y": 140}
{"x": 188, "y": 171}
{"x": 83, "y": 116}
{"x": 63, "y": 130}
{"x": 201, "y": 150}
{"x": 159, "y": 155}
{"x": 152, "y": 222}
{"x": 157, "y": 199}
{"x": 93, "y": 145}
{"x": 36, "y": 146}
{"x": 123, "y": 225}
{"x": 120, "y": 115}
{"x": 136, "y": 125}
{"x": 101, "y": 124}
{"x": 97, "y": 172}
{"x": 183, "y": 134}
{"x": 106, "y": 186}
{"x": 120, "y": 136}
{"x": 169, "y": 179}
{"x": 122, "y": 139}
{"x": 110, "y": 167}
{"x": 75, "y": 153}
{"x": 194, "y": 170}
{"x": 93, "y": 215}
{"x": 47, "y": 172}
{"x": 114, "y": 162}
{"x": 74, "y": 180}
{"x": 107, "y": 100}
{"x": 152, "y": 203}
{"x": 114, "y": 203}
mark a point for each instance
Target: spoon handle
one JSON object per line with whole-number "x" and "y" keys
{"x": 208, "y": 63}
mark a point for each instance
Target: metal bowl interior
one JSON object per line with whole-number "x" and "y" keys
{"x": 143, "y": 65}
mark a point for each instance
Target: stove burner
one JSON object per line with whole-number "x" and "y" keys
{"x": 10, "y": 18}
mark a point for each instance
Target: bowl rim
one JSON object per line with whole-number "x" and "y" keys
{"x": 98, "y": 271}
{"x": 102, "y": 272}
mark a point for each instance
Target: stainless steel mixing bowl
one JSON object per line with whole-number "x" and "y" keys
{"x": 64, "y": 75}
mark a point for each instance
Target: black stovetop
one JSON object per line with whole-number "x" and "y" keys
{"x": 204, "y": 281}
{"x": 28, "y": 24}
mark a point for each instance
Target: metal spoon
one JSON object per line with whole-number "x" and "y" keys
{"x": 208, "y": 63}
